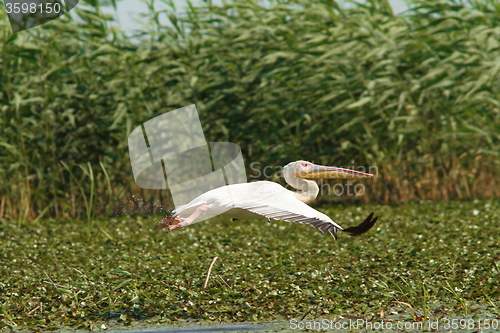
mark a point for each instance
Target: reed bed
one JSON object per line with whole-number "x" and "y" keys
{"x": 414, "y": 95}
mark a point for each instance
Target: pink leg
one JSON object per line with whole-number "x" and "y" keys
{"x": 168, "y": 222}
{"x": 179, "y": 222}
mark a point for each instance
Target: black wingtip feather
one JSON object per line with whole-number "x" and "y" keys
{"x": 368, "y": 223}
{"x": 333, "y": 232}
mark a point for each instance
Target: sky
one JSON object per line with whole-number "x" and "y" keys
{"x": 130, "y": 19}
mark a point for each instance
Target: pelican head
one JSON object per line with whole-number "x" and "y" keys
{"x": 308, "y": 170}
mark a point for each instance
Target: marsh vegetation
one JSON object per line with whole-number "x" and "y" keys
{"x": 414, "y": 95}
{"x": 422, "y": 261}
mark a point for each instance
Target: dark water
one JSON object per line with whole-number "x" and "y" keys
{"x": 226, "y": 328}
{"x": 208, "y": 329}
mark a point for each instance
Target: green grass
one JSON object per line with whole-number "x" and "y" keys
{"x": 421, "y": 260}
{"x": 415, "y": 95}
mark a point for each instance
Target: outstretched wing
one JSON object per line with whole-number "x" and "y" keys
{"x": 269, "y": 200}
{"x": 272, "y": 201}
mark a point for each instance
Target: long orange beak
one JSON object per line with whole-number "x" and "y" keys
{"x": 328, "y": 172}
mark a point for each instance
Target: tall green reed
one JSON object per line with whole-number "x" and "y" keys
{"x": 415, "y": 95}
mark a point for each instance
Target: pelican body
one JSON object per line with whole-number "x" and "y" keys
{"x": 264, "y": 199}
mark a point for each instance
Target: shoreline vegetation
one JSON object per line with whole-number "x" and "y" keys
{"x": 414, "y": 95}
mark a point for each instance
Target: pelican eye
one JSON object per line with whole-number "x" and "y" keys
{"x": 306, "y": 165}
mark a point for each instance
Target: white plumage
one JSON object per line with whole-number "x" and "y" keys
{"x": 264, "y": 199}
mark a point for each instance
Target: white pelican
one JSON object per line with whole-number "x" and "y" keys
{"x": 264, "y": 199}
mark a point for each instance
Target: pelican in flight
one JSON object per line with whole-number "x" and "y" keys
{"x": 264, "y": 199}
